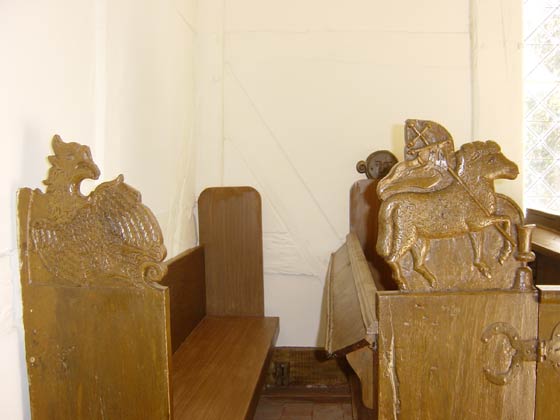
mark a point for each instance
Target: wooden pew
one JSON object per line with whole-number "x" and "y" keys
{"x": 104, "y": 339}
{"x": 220, "y": 338}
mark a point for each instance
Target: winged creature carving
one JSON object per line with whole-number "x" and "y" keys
{"x": 108, "y": 234}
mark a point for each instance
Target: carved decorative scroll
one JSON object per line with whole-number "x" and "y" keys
{"x": 105, "y": 238}
{"x": 440, "y": 208}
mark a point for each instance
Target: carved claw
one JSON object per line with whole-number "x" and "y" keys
{"x": 484, "y": 269}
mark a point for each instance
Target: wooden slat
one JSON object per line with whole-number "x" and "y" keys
{"x": 365, "y": 286}
{"x": 548, "y": 378}
{"x": 219, "y": 368}
{"x": 345, "y": 327}
{"x": 231, "y": 233}
{"x": 185, "y": 280}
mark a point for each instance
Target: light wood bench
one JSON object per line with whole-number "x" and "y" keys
{"x": 220, "y": 338}
{"x": 104, "y": 339}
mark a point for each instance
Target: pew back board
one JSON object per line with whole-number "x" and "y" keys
{"x": 230, "y": 225}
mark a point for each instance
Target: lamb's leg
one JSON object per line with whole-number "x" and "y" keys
{"x": 505, "y": 252}
{"x": 404, "y": 236}
{"x": 477, "y": 239}
{"x": 419, "y": 251}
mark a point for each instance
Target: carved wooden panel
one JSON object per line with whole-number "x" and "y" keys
{"x": 96, "y": 325}
{"x": 432, "y": 358}
{"x": 441, "y": 224}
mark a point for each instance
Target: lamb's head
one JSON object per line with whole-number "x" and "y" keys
{"x": 485, "y": 160}
{"x": 70, "y": 165}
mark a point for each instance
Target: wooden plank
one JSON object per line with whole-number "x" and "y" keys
{"x": 187, "y": 293}
{"x": 364, "y": 207}
{"x": 546, "y": 242}
{"x": 431, "y": 356}
{"x": 546, "y": 220}
{"x": 220, "y": 366}
{"x": 231, "y": 233}
{"x": 364, "y": 363}
{"x": 345, "y": 326}
{"x": 548, "y": 375}
{"x": 365, "y": 286}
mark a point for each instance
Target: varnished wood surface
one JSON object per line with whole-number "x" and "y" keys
{"x": 431, "y": 356}
{"x": 546, "y": 220}
{"x": 546, "y": 241}
{"x": 364, "y": 206}
{"x": 187, "y": 293}
{"x": 96, "y": 325}
{"x": 218, "y": 369}
{"x": 364, "y": 363}
{"x": 346, "y": 329}
{"x": 548, "y": 378}
{"x": 231, "y": 232}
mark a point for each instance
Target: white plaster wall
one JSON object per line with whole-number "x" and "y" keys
{"x": 117, "y": 75}
{"x": 310, "y": 88}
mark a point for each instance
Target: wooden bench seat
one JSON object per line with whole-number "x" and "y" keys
{"x": 219, "y": 369}
{"x": 104, "y": 337}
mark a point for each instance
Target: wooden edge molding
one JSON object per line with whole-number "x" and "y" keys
{"x": 365, "y": 285}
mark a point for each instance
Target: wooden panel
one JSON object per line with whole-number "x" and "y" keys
{"x": 100, "y": 350}
{"x": 548, "y": 376}
{"x": 364, "y": 207}
{"x": 364, "y": 363}
{"x": 546, "y": 242}
{"x": 231, "y": 233}
{"x": 185, "y": 280}
{"x": 540, "y": 218}
{"x": 229, "y": 351}
{"x": 431, "y": 356}
{"x": 345, "y": 326}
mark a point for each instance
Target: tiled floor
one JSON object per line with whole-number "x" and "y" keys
{"x": 278, "y": 409}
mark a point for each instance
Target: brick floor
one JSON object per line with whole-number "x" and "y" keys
{"x": 277, "y": 409}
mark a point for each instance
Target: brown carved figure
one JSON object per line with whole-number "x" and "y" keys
{"x": 408, "y": 221}
{"x": 106, "y": 235}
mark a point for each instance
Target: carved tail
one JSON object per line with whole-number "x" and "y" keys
{"x": 385, "y": 229}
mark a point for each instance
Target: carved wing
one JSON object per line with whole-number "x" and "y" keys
{"x": 128, "y": 228}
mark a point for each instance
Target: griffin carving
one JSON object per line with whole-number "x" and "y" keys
{"x": 106, "y": 235}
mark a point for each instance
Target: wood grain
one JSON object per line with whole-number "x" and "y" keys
{"x": 364, "y": 206}
{"x": 231, "y": 233}
{"x": 218, "y": 369}
{"x": 364, "y": 363}
{"x": 431, "y": 356}
{"x": 548, "y": 378}
{"x": 187, "y": 293}
{"x": 346, "y": 330}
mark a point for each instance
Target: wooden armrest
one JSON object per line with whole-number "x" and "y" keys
{"x": 219, "y": 369}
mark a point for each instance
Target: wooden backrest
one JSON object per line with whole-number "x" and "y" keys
{"x": 364, "y": 207}
{"x": 96, "y": 322}
{"x": 230, "y": 227}
{"x": 185, "y": 280}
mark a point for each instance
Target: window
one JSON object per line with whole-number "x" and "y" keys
{"x": 542, "y": 104}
